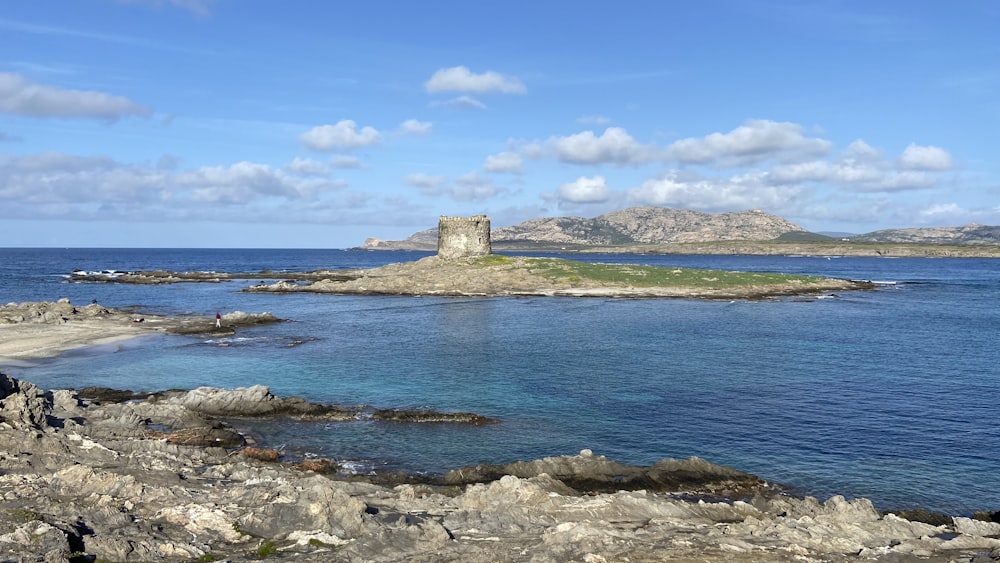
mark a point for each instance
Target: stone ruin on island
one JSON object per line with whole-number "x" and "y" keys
{"x": 461, "y": 237}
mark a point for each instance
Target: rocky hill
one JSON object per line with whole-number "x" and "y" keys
{"x": 649, "y": 225}
{"x": 972, "y": 234}
{"x": 635, "y": 225}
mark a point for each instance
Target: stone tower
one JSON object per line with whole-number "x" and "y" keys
{"x": 459, "y": 237}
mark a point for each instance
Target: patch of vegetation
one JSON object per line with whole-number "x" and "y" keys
{"x": 238, "y": 530}
{"x": 573, "y": 272}
{"x": 207, "y": 558}
{"x": 320, "y": 544}
{"x": 266, "y": 549}
{"x": 24, "y": 515}
{"x": 804, "y": 236}
{"x": 491, "y": 260}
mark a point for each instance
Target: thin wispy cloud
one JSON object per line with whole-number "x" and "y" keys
{"x": 104, "y": 37}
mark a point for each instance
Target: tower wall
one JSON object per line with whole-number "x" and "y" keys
{"x": 459, "y": 237}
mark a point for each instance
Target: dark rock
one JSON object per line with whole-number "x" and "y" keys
{"x": 987, "y": 516}
{"x": 108, "y": 395}
{"x": 425, "y": 416}
{"x": 587, "y": 473}
{"x": 925, "y": 516}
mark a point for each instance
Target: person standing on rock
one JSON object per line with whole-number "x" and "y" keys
{"x": 218, "y": 320}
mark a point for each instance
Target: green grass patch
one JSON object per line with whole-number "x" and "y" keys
{"x": 491, "y": 260}
{"x": 267, "y": 549}
{"x": 574, "y": 272}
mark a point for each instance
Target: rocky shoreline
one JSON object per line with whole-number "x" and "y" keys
{"x": 166, "y": 478}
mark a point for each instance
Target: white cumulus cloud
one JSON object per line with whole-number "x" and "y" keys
{"x": 917, "y": 157}
{"x": 585, "y": 190}
{"x": 461, "y": 79}
{"x": 415, "y": 127}
{"x": 428, "y": 184}
{"x": 504, "y": 162}
{"x": 344, "y": 135}
{"x": 746, "y": 191}
{"x": 307, "y": 167}
{"x": 65, "y": 186}
{"x": 235, "y": 183}
{"x": 614, "y": 146}
{"x": 472, "y": 186}
{"x": 860, "y": 151}
{"x": 755, "y": 141}
{"x": 20, "y": 96}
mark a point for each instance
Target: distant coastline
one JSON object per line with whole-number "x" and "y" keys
{"x": 748, "y": 248}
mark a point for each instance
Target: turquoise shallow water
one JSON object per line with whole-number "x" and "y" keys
{"x": 886, "y": 394}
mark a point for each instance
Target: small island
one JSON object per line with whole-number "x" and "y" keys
{"x": 466, "y": 266}
{"x": 496, "y": 275}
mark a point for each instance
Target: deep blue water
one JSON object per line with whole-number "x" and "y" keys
{"x": 889, "y": 394}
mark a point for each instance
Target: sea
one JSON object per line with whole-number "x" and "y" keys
{"x": 890, "y": 394}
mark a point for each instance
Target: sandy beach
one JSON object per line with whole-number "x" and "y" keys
{"x": 34, "y": 330}
{"x": 26, "y": 342}
{"x": 38, "y": 330}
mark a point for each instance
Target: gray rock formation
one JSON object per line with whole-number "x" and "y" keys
{"x": 650, "y": 225}
{"x": 22, "y": 404}
{"x": 635, "y": 225}
{"x": 94, "y": 481}
{"x": 972, "y": 234}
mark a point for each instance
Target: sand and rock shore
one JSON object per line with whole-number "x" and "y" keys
{"x": 104, "y": 475}
{"x": 40, "y": 329}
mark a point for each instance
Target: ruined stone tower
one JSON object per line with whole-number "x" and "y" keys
{"x": 459, "y": 237}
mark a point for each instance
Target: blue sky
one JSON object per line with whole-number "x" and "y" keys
{"x": 251, "y": 123}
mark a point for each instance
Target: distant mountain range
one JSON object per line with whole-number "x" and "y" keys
{"x": 969, "y": 234}
{"x": 661, "y": 225}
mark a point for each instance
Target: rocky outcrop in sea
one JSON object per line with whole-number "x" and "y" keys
{"x": 167, "y": 478}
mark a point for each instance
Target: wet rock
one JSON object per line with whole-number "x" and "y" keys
{"x": 429, "y": 416}
{"x": 108, "y": 395}
{"x": 589, "y": 473}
